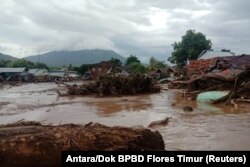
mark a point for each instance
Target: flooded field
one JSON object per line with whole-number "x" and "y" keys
{"x": 208, "y": 127}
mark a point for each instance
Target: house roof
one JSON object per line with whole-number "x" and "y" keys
{"x": 101, "y": 63}
{"x": 38, "y": 71}
{"x": 71, "y": 72}
{"x": 12, "y": 70}
{"x": 57, "y": 74}
{"x": 163, "y": 69}
{"x": 208, "y": 54}
{"x": 33, "y": 71}
{"x": 174, "y": 68}
{"x": 241, "y": 61}
{"x": 41, "y": 72}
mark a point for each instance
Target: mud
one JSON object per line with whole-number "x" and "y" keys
{"x": 31, "y": 144}
{"x": 207, "y": 127}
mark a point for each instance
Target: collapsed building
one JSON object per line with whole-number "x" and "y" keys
{"x": 15, "y": 74}
{"x": 206, "y": 61}
{"x": 23, "y": 74}
{"x": 216, "y": 79}
{"x": 99, "y": 69}
{"x": 40, "y": 75}
{"x": 161, "y": 73}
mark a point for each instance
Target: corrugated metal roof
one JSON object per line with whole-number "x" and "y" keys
{"x": 241, "y": 61}
{"x": 33, "y": 71}
{"x": 212, "y": 54}
{"x": 42, "y": 72}
{"x": 57, "y": 74}
{"x": 38, "y": 72}
{"x": 12, "y": 70}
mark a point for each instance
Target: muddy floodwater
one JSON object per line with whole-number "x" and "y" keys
{"x": 208, "y": 127}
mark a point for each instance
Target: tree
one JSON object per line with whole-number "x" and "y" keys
{"x": 70, "y": 67}
{"x": 82, "y": 69}
{"x": 138, "y": 68}
{"x": 22, "y": 63}
{"x": 116, "y": 61}
{"x": 132, "y": 59}
{"x": 154, "y": 64}
{"x": 40, "y": 65}
{"x": 5, "y": 63}
{"x": 189, "y": 48}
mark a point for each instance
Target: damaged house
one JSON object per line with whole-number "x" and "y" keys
{"x": 14, "y": 74}
{"x": 62, "y": 75}
{"x": 163, "y": 73}
{"x": 216, "y": 78}
{"x": 99, "y": 69}
{"x": 206, "y": 61}
{"x": 57, "y": 75}
{"x": 40, "y": 75}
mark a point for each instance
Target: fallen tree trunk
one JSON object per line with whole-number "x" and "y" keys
{"x": 33, "y": 144}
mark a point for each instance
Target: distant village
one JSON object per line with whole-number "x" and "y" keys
{"x": 93, "y": 71}
{"x": 206, "y": 60}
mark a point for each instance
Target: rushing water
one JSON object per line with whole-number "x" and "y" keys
{"x": 208, "y": 127}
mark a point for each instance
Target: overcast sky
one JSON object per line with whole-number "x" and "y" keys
{"x": 142, "y": 27}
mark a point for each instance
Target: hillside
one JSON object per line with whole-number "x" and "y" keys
{"x": 75, "y": 58}
{"x": 6, "y": 57}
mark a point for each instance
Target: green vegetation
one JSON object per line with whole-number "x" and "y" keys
{"x": 132, "y": 59}
{"x": 189, "y": 48}
{"x": 116, "y": 61}
{"x": 82, "y": 69}
{"x": 132, "y": 62}
{"x": 40, "y": 65}
{"x": 154, "y": 64}
{"x": 5, "y": 63}
{"x": 135, "y": 64}
{"x": 138, "y": 68}
{"x": 22, "y": 63}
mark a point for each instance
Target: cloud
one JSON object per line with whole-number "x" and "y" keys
{"x": 142, "y": 27}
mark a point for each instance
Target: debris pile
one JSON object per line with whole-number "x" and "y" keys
{"x": 230, "y": 74}
{"x": 33, "y": 144}
{"x": 112, "y": 85}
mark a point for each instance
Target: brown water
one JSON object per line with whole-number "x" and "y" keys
{"x": 208, "y": 127}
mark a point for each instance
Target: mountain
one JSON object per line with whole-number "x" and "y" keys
{"x": 75, "y": 58}
{"x": 6, "y": 57}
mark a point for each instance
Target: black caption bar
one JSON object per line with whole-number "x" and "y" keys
{"x": 153, "y": 158}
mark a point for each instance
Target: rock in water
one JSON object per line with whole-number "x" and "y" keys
{"x": 155, "y": 124}
{"x": 188, "y": 109}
